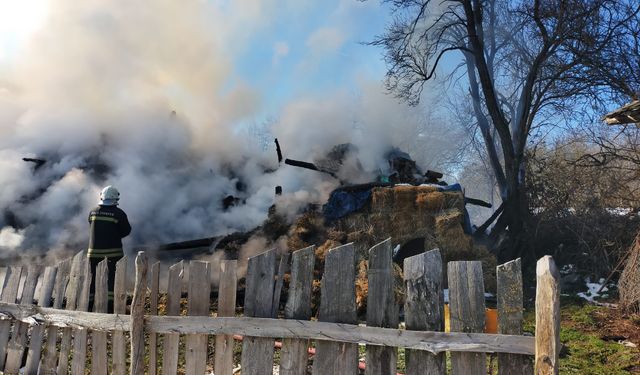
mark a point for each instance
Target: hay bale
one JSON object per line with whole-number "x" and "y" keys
{"x": 381, "y": 199}
{"x": 629, "y": 282}
{"x": 430, "y": 202}
{"x": 308, "y": 230}
{"x": 404, "y": 198}
{"x": 453, "y": 200}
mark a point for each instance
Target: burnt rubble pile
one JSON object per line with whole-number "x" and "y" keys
{"x": 416, "y": 210}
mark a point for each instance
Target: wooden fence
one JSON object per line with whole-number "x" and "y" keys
{"x": 59, "y": 336}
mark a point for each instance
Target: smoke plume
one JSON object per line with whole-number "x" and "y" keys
{"x": 145, "y": 97}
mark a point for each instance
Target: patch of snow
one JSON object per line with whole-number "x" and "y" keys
{"x": 592, "y": 290}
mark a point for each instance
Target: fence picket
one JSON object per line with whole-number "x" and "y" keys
{"x": 18, "y": 341}
{"x": 338, "y": 305}
{"x": 467, "y": 312}
{"x": 137, "y": 315}
{"x": 118, "y": 342}
{"x": 78, "y": 362}
{"x": 154, "y": 282}
{"x": 510, "y": 306}
{"x": 223, "y": 364}
{"x": 49, "y": 361}
{"x": 293, "y": 358}
{"x": 547, "y": 317}
{"x": 198, "y": 305}
{"x": 9, "y": 294}
{"x": 257, "y": 353}
{"x": 100, "y": 303}
{"x": 385, "y": 312}
{"x": 424, "y": 308}
{"x": 76, "y": 274}
{"x": 37, "y": 332}
{"x": 172, "y": 340}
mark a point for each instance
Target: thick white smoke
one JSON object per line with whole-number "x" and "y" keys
{"x": 144, "y": 96}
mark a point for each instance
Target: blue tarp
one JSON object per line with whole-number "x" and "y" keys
{"x": 341, "y": 203}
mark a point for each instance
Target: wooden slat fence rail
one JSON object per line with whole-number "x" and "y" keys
{"x": 187, "y": 336}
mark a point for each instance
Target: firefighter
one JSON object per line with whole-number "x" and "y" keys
{"x": 109, "y": 224}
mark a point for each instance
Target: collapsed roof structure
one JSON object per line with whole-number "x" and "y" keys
{"x": 627, "y": 114}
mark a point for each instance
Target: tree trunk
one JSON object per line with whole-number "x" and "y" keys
{"x": 508, "y": 234}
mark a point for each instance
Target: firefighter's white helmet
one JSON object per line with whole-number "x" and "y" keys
{"x": 109, "y": 196}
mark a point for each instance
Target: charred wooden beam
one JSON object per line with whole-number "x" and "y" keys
{"x": 279, "y": 151}
{"x": 38, "y": 162}
{"x": 306, "y": 165}
{"x": 477, "y": 202}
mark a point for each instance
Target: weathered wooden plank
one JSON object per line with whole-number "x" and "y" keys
{"x": 510, "y": 307}
{"x": 337, "y": 304}
{"x": 385, "y": 311}
{"x": 293, "y": 357}
{"x": 48, "y": 365}
{"x": 78, "y": 362}
{"x": 424, "y": 308}
{"x": 434, "y": 342}
{"x": 223, "y": 364}
{"x": 137, "y": 315}
{"x": 467, "y": 312}
{"x": 76, "y": 275}
{"x": 171, "y": 340}
{"x": 18, "y": 341}
{"x": 9, "y": 294}
{"x": 284, "y": 264}
{"x": 154, "y": 283}
{"x": 547, "y": 317}
{"x": 118, "y": 346}
{"x": 37, "y": 332}
{"x": 198, "y": 305}
{"x": 100, "y": 304}
{"x": 257, "y": 353}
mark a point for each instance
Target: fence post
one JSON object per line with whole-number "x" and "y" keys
{"x": 467, "y": 313}
{"x": 99, "y": 361}
{"x": 172, "y": 340}
{"x": 137, "y": 315}
{"x": 293, "y": 357}
{"x": 118, "y": 346}
{"x": 9, "y": 294}
{"x": 76, "y": 274}
{"x": 424, "y": 308}
{"x": 37, "y": 332}
{"x": 79, "y": 360}
{"x": 223, "y": 364}
{"x": 547, "y": 317}
{"x": 19, "y": 336}
{"x": 337, "y": 305}
{"x": 198, "y": 305}
{"x": 384, "y": 310}
{"x": 510, "y": 301}
{"x": 49, "y": 360}
{"x": 257, "y": 352}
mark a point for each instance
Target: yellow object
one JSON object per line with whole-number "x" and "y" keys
{"x": 490, "y": 324}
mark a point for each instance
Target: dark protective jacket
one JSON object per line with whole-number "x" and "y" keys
{"x": 109, "y": 225}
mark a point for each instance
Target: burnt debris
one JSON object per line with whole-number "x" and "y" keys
{"x": 38, "y": 162}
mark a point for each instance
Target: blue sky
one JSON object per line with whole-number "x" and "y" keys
{"x": 315, "y": 50}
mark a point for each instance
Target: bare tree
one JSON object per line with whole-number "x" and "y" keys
{"x": 525, "y": 64}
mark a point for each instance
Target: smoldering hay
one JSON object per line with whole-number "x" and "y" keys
{"x": 113, "y": 94}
